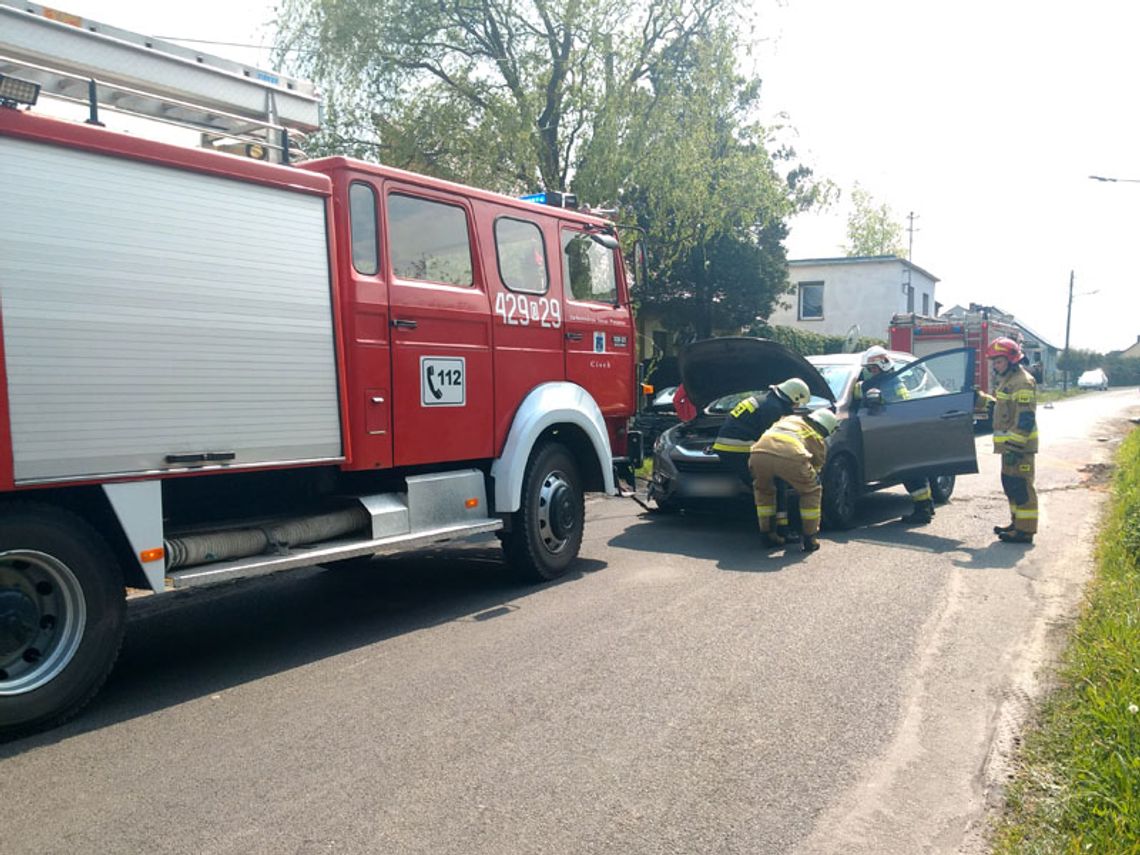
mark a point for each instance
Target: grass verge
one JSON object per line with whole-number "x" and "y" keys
{"x": 1078, "y": 788}
{"x": 1047, "y": 395}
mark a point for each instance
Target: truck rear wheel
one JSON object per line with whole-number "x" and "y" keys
{"x": 546, "y": 531}
{"x": 62, "y": 614}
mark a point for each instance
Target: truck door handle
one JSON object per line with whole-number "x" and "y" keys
{"x": 202, "y": 457}
{"x": 573, "y": 336}
{"x": 954, "y": 414}
{"x": 377, "y": 399}
{"x": 401, "y": 324}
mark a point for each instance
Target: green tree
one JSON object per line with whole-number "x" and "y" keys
{"x": 502, "y": 93}
{"x": 872, "y": 228}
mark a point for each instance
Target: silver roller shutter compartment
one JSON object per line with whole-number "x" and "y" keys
{"x": 150, "y": 311}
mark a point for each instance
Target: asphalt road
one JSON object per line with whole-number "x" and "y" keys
{"x": 680, "y": 692}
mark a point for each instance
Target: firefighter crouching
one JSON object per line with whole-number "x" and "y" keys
{"x": 1015, "y": 439}
{"x": 877, "y": 361}
{"x": 747, "y": 422}
{"x": 794, "y": 450}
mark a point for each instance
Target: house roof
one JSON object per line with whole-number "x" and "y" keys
{"x": 861, "y": 259}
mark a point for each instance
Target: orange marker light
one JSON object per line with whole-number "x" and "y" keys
{"x": 471, "y": 503}
{"x": 148, "y": 555}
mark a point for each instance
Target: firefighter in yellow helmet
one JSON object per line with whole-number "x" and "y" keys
{"x": 746, "y": 423}
{"x": 794, "y": 450}
{"x": 1015, "y": 439}
{"x": 877, "y": 361}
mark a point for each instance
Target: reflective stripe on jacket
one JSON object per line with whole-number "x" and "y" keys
{"x": 748, "y": 420}
{"x": 793, "y": 435}
{"x": 1015, "y": 413}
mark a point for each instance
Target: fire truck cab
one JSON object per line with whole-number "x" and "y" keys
{"x": 214, "y": 367}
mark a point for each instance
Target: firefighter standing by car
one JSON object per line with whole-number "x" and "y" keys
{"x": 1015, "y": 439}
{"x": 793, "y": 450}
{"x": 876, "y": 360}
{"x": 747, "y": 422}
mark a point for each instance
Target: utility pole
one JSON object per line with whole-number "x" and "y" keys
{"x": 909, "y": 254}
{"x": 1068, "y": 322}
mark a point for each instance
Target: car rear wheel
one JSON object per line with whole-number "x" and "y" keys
{"x": 941, "y": 488}
{"x": 841, "y": 491}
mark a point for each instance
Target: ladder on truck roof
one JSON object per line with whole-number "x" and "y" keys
{"x": 79, "y": 60}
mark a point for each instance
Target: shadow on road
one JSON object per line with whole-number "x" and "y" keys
{"x": 188, "y": 645}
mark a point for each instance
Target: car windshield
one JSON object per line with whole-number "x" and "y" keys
{"x": 836, "y": 375}
{"x": 723, "y": 405}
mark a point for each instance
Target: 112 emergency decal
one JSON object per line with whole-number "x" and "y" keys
{"x": 443, "y": 381}
{"x": 516, "y": 310}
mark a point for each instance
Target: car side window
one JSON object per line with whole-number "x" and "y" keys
{"x": 941, "y": 374}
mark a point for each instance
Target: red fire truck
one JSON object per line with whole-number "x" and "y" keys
{"x": 214, "y": 367}
{"x": 922, "y": 336}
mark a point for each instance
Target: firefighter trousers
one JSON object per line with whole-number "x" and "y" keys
{"x": 797, "y": 471}
{"x": 1017, "y": 472}
{"x": 738, "y": 463}
{"x": 919, "y": 490}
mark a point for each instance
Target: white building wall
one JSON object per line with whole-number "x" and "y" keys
{"x": 863, "y": 292}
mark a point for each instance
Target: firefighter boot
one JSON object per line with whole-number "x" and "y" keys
{"x": 999, "y": 530}
{"x": 771, "y": 540}
{"x": 811, "y": 542}
{"x": 922, "y": 514}
{"x": 1015, "y": 537}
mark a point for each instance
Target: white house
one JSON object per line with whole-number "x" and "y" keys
{"x": 831, "y": 295}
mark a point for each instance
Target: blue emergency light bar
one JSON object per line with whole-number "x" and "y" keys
{"x": 553, "y": 198}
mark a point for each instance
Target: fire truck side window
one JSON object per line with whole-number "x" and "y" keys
{"x": 362, "y": 213}
{"x": 589, "y": 269}
{"x": 429, "y": 241}
{"x": 522, "y": 256}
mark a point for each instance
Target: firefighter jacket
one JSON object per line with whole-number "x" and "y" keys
{"x": 893, "y": 389}
{"x": 1015, "y": 413}
{"x": 794, "y": 436}
{"x": 748, "y": 420}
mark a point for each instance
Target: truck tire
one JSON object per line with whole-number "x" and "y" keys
{"x": 546, "y": 531}
{"x": 62, "y": 615}
{"x": 841, "y": 490}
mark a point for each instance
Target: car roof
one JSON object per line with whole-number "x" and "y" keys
{"x": 855, "y": 358}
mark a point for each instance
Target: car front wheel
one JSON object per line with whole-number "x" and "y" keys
{"x": 840, "y": 492}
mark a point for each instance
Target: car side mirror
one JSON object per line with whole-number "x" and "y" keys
{"x": 874, "y": 399}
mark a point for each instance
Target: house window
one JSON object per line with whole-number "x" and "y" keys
{"x": 910, "y": 298}
{"x": 926, "y": 305}
{"x": 811, "y": 301}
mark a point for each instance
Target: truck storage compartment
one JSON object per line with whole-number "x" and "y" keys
{"x": 156, "y": 318}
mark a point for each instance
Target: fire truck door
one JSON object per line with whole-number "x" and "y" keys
{"x": 521, "y": 255}
{"x": 440, "y": 323}
{"x": 924, "y": 425}
{"x": 599, "y": 333}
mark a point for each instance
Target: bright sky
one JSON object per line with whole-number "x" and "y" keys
{"x": 984, "y": 118}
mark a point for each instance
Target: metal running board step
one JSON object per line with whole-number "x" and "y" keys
{"x": 323, "y": 553}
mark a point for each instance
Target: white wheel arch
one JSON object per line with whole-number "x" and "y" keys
{"x": 547, "y": 405}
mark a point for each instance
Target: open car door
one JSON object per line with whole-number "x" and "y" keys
{"x": 923, "y": 423}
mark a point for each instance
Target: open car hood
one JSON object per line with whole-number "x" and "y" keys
{"x": 716, "y": 367}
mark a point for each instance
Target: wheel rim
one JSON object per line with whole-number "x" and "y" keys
{"x": 42, "y": 618}
{"x": 944, "y": 484}
{"x": 557, "y": 512}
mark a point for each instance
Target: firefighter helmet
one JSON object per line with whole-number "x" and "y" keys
{"x": 825, "y": 420}
{"x": 876, "y": 356}
{"x": 1006, "y": 347}
{"x": 794, "y": 390}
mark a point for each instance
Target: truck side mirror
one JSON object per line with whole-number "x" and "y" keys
{"x": 640, "y": 265}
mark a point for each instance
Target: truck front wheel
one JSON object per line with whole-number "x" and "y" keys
{"x": 546, "y": 531}
{"x": 62, "y": 613}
